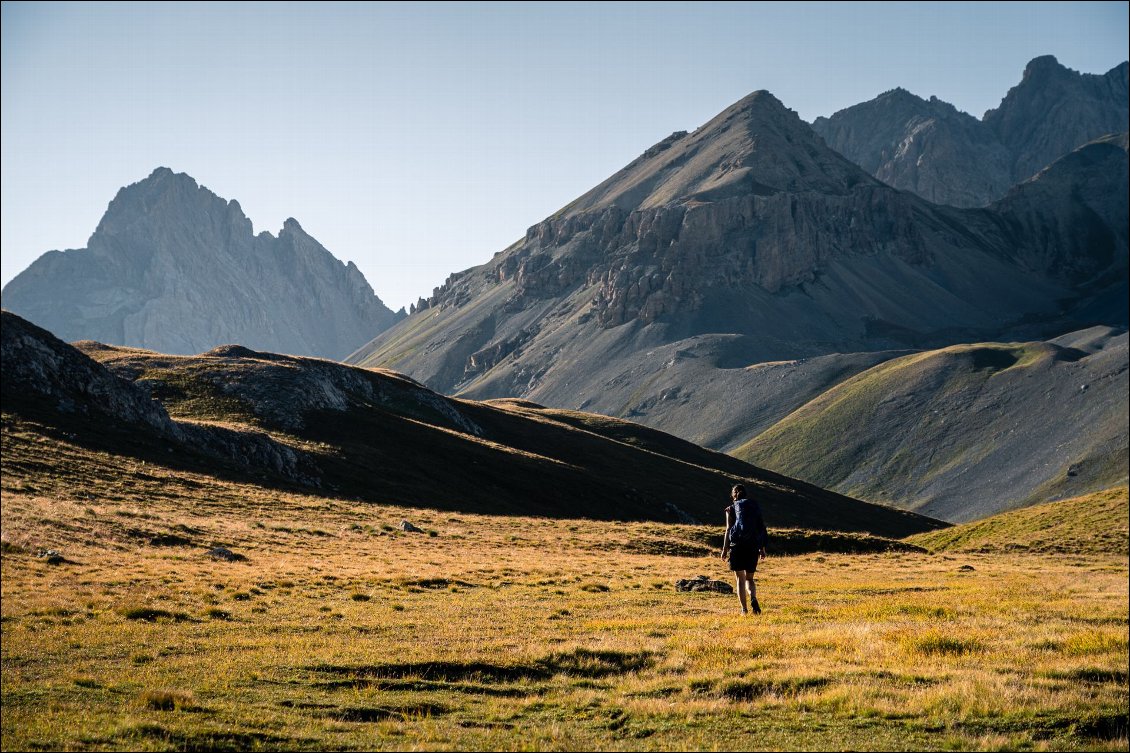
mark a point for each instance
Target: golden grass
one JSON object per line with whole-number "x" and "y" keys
{"x": 339, "y": 631}
{"x": 1097, "y": 522}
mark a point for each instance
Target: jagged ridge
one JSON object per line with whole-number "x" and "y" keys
{"x": 949, "y": 157}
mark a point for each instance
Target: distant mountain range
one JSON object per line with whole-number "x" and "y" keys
{"x": 715, "y": 283}
{"x": 174, "y": 268}
{"x": 949, "y": 157}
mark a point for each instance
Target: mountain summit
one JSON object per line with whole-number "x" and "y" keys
{"x": 756, "y": 145}
{"x": 175, "y": 268}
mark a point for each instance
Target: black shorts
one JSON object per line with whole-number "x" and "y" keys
{"x": 744, "y": 558}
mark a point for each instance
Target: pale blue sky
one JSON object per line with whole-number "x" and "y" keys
{"x": 417, "y": 140}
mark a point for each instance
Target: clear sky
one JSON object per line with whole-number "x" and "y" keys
{"x": 418, "y": 140}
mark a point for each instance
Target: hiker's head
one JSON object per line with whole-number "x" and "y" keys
{"x": 738, "y": 492}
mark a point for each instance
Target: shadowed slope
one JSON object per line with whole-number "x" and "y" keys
{"x": 380, "y": 437}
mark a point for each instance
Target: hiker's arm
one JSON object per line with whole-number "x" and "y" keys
{"x": 726, "y": 535}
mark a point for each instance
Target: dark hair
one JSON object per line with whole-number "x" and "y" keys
{"x": 738, "y": 488}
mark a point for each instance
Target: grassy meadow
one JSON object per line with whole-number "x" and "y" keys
{"x": 339, "y": 631}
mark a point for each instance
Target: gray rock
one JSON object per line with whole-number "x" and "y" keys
{"x": 409, "y": 528}
{"x": 174, "y": 268}
{"x": 927, "y": 147}
{"x": 225, "y": 554}
{"x": 38, "y": 366}
{"x": 703, "y": 584}
{"x": 51, "y": 557}
{"x": 682, "y": 516}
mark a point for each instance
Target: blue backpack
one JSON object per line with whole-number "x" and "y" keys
{"x": 748, "y": 527}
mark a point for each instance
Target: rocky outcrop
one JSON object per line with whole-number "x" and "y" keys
{"x": 45, "y": 377}
{"x": 701, "y": 584}
{"x": 280, "y": 391}
{"x": 37, "y": 364}
{"x": 173, "y": 267}
{"x": 946, "y": 156}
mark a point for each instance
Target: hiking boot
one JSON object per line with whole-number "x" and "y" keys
{"x": 755, "y": 607}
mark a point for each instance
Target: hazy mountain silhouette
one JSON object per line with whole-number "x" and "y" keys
{"x": 173, "y": 267}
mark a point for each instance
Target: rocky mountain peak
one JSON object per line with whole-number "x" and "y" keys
{"x": 758, "y": 104}
{"x": 291, "y": 226}
{"x": 901, "y": 96}
{"x": 162, "y": 201}
{"x": 759, "y": 114}
{"x": 1044, "y": 65}
{"x": 176, "y": 268}
{"x": 1055, "y": 109}
{"x": 754, "y": 146}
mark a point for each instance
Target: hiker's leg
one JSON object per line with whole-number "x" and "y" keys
{"x": 752, "y": 588}
{"x": 739, "y": 575}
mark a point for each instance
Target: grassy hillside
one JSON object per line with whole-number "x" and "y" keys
{"x": 337, "y": 630}
{"x": 376, "y": 436}
{"x": 1093, "y": 523}
{"x": 966, "y": 431}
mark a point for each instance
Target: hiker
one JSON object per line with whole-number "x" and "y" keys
{"x": 743, "y": 543}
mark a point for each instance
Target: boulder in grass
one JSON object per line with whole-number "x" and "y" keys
{"x": 702, "y": 583}
{"x": 51, "y": 557}
{"x": 409, "y": 528}
{"x": 225, "y": 554}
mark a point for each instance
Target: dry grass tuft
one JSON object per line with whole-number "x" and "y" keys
{"x": 169, "y": 700}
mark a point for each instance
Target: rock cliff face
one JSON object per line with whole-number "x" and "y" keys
{"x": 746, "y": 241}
{"x": 950, "y": 157}
{"x": 173, "y": 267}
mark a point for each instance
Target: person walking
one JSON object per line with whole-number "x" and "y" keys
{"x": 743, "y": 544}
